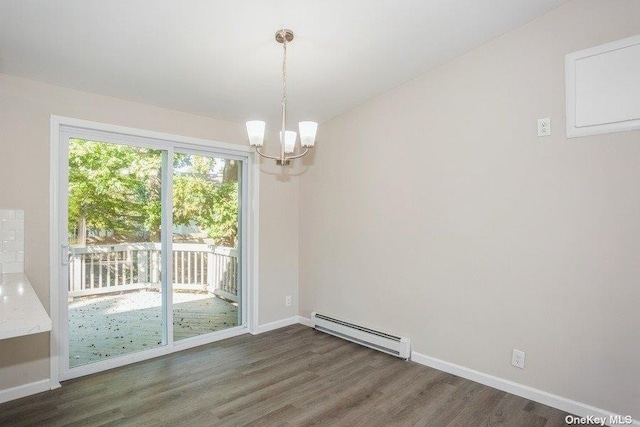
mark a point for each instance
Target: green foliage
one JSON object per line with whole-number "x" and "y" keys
{"x": 117, "y": 188}
{"x": 214, "y": 209}
{"x": 109, "y": 188}
{"x": 223, "y": 215}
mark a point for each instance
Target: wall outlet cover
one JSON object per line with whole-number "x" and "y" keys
{"x": 544, "y": 127}
{"x": 517, "y": 358}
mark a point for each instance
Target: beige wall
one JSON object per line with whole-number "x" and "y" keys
{"x": 434, "y": 211}
{"x": 25, "y": 108}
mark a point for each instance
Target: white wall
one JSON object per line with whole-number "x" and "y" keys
{"x": 434, "y": 211}
{"x": 25, "y": 108}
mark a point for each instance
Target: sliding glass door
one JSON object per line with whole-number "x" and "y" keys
{"x": 115, "y": 292}
{"x": 206, "y": 215}
{"x": 152, "y": 247}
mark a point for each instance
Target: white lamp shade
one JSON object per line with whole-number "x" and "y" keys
{"x": 308, "y": 133}
{"x": 255, "y": 130}
{"x": 289, "y": 141}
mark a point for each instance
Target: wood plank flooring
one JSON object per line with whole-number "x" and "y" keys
{"x": 293, "y": 376}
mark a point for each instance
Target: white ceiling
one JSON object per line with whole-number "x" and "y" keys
{"x": 219, "y": 58}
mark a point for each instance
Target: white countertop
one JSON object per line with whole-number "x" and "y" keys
{"x": 21, "y": 312}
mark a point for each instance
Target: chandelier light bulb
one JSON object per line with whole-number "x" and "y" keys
{"x": 255, "y": 129}
{"x": 289, "y": 141}
{"x": 308, "y": 133}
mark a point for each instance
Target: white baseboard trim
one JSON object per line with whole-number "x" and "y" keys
{"x": 26, "y": 390}
{"x": 276, "y": 325}
{"x": 555, "y": 401}
{"x": 283, "y": 323}
{"x": 304, "y": 321}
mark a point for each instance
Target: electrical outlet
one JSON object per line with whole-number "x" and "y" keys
{"x": 517, "y": 358}
{"x": 288, "y": 301}
{"x": 544, "y": 127}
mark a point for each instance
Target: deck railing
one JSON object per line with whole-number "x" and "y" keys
{"x": 112, "y": 268}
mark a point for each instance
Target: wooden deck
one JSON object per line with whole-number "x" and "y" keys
{"x": 107, "y": 326}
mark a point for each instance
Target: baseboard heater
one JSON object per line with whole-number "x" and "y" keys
{"x": 378, "y": 340}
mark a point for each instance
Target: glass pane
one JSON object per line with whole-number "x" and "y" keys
{"x": 115, "y": 292}
{"x": 205, "y": 245}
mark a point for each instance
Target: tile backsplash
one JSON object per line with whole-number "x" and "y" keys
{"x": 11, "y": 241}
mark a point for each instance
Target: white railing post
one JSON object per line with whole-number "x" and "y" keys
{"x": 211, "y": 285}
{"x": 143, "y": 265}
{"x": 154, "y": 266}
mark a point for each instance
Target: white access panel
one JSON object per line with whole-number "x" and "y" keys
{"x": 603, "y": 88}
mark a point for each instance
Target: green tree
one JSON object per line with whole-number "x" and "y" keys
{"x": 117, "y": 188}
{"x": 109, "y": 188}
{"x": 199, "y": 199}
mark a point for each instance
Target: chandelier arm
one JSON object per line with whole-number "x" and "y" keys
{"x": 266, "y": 156}
{"x": 297, "y": 156}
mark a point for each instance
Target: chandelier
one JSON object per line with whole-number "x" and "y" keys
{"x": 255, "y": 128}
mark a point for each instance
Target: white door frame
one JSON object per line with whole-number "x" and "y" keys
{"x": 57, "y": 200}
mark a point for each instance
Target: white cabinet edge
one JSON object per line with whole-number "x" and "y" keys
{"x": 570, "y": 83}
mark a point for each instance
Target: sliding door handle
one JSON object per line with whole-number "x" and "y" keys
{"x": 66, "y": 254}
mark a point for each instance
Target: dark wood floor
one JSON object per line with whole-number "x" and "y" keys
{"x": 289, "y": 377}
